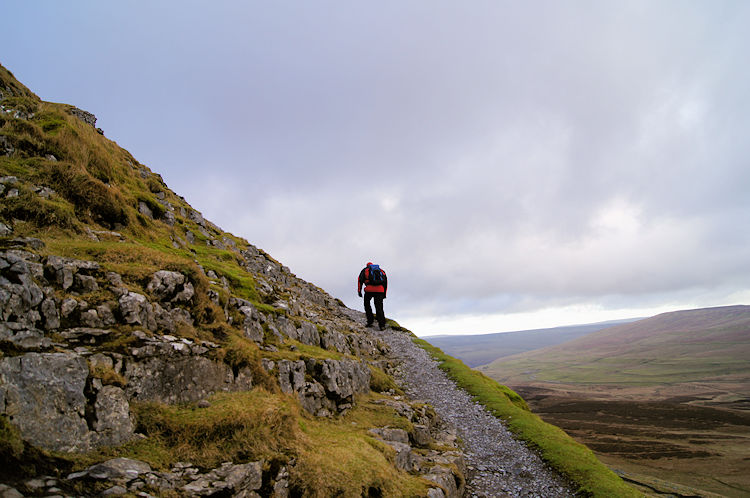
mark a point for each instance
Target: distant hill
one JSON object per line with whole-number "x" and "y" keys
{"x": 703, "y": 345}
{"x": 665, "y": 399}
{"x": 481, "y": 349}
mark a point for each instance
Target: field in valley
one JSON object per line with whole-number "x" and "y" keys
{"x": 665, "y": 400}
{"x": 657, "y": 443}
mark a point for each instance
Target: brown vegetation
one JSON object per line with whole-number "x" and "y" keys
{"x": 702, "y": 447}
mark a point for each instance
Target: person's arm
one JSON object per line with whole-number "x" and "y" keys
{"x": 359, "y": 283}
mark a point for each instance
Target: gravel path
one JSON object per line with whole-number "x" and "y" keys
{"x": 498, "y": 464}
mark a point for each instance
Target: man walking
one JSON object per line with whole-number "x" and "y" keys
{"x": 376, "y": 285}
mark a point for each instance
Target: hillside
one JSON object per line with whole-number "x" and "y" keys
{"x": 665, "y": 400}
{"x": 481, "y": 349}
{"x": 706, "y": 346}
{"x": 145, "y": 351}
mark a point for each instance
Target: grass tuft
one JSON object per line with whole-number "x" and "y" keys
{"x": 238, "y": 427}
{"x": 382, "y": 382}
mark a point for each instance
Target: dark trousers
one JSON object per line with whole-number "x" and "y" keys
{"x": 378, "y": 298}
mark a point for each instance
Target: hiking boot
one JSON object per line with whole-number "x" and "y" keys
{"x": 369, "y": 324}
{"x": 382, "y": 327}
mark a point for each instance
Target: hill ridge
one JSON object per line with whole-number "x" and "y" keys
{"x": 680, "y": 347}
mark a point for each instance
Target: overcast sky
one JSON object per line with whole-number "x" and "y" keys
{"x": 512, "y": 165}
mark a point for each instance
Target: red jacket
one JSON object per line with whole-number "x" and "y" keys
{"x": 364, "y": 276}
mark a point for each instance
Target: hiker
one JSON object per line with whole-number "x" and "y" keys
{"x": 376, "y": 285}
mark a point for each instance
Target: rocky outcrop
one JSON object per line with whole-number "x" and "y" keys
{"x": 47, "y": 396}
{"x": 445, "y": 468}
{"x": 80, "y": 343}
{"x": 157, "y": 367}
{"x": 171, "y": 370}
{"x": 82, "y": 346}
{"x": 332, "y": 388}
{"x": 43, "y": 395}
{"x": 125, "y": 476}
{"x": 84, "y": 116}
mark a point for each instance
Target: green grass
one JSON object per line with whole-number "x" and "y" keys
{"x": 335, "y": 457}
{"x": 340, "y": 458}
{"x": 573, "y": 460}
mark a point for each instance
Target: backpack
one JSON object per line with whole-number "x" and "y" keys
{"x": 376, "y": 277}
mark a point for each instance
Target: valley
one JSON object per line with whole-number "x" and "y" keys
{"x": 667, "y": 445}
{"x": 664, "y": 401}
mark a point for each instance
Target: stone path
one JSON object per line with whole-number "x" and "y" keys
{"x": 499, "y": 465}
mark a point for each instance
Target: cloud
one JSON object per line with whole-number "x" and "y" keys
{"x": 496, "y": 158}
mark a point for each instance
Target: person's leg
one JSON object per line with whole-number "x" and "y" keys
{"x": 379, "y": 310}
{"x": 368, "y": 308}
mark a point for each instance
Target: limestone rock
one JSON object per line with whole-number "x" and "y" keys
{"x": 44, "y": 398}
{"x": 313, "y": 399}
{"x": 251, "y": 326}
{"x": 84, "y": 116}
{"x": 137, "y": 310}
{"x": 145, "y": 210}
{"x": 114, "y": 424}
{"x": 342, "y": 378}
{"x": 334, "y": 340}
{"x": 118, "y": 469}
{"x": 308, "y": 334}
{"x": 170, "y": 286}
{"x": 63, "y": 270}
{"x": 443, "y": 476}
{"x": 170, "y": 372}
{"x": 23, "y": 337}
{"x": 286, "y": 327}
{"x": 291, "y": 375}
{"x": 389, "y": 434}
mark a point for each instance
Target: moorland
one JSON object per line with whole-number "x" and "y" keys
{"x": 665, "y": 400}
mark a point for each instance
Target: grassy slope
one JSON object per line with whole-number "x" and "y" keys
{"x": 686, "y": 346}
{"x": 98, "y": 186}
{"x": 571, "y": 459}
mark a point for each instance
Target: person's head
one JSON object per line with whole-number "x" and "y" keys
{"x": 369, "y": 263}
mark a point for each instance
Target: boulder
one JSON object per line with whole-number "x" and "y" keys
{"x": 84, "y": 116}
{"x": 286, "y": 327}
{"x": 313, "y": 399}
{"x": 44, "y": 398}
{"x": 404, "y": 456}
{"x": 85, "y": 334}
{"x": 169, "y": 319}
{"x": 251, "y": 325}
{"x": 19, "y": 293}
{"x": 308, "y": 334}
{"x": 334, "y": 340}
{"x": 389, "y": 434}
{"x": 145, "y": 210}
{"x": 114, "y": 424}
{"x": 62, "y": 271}
{"x": 171, "y": 372}
{"x": 137, "y": 310}
{"x": 23, "y": 337}
{"x": 342, "y": 378}
{"x": 291, "y": 375}
{"x": 170, "y": 286}
{"x": 118, "y": 469}
{"x": 50, "y": 314}
{"x": 443, "y": 476}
